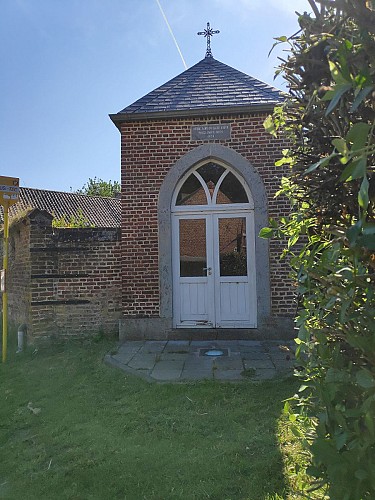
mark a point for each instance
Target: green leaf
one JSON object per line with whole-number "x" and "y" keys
{"x": 303, "y": 333}
{"x": 368, "y": 236}
{"x": 354, "y": 170}
{"x": 360, "y": 168}
{"x": 341, "y": 440}
{"x": 353, "y": 232}
{"x": 324, "y": 451}
{"x": 369, "y": 229}
{"x": 292, "y": 417}
{"x": 363, "y": 197}
{"x": 266, "y": 232}
{"x": 340, "y": 145}
{"x": 269, "y": 125}
{"x": 368, "y": 241}
{"x": 279, "y": 40}
{"x": 336, "y": 376}
{"x": 337, "y": 74}
{"x": 335, "y": 95}
{"x": 321, "y": 163}
{"x": 357, "y": 135}
{"x": 293, "y": 240}
{"x": 286, "y": 407}
{"x": 347, "y": 172}
{"x": 283, "y": 160}
{"x": 360, "y": 97}
{"x": 365, "y": 379}
{"x": 370, "y": 423}
{"x": 313, "y": 471}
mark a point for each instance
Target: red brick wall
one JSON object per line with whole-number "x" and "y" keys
{"x": 149, "y": 149}
{"x": 64, "y": 282}
{"x": 18, "y": 279}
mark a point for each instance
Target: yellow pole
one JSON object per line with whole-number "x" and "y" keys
{"x": 5, "y": 294}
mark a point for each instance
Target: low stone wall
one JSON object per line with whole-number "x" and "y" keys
{"x": 64, "y": 282}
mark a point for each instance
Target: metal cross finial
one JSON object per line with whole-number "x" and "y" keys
{"x": 208, "y": 32}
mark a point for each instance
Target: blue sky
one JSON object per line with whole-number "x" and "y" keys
{"x": 67, "y": 64}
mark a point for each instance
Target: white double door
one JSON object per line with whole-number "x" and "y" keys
{"x": 214, "y": 270}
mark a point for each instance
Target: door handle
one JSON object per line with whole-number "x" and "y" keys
{"x": 209, "y": 270}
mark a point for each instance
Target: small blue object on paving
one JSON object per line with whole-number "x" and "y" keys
{"x": 182, "y": 361}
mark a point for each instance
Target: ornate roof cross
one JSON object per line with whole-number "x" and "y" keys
{"x": 208, "y": 32}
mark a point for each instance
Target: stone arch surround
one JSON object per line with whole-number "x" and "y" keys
{"x": 212, "y": 152}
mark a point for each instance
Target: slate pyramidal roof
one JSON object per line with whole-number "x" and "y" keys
{"x": 209, "y": 87}
{"x": 98, "y": 211}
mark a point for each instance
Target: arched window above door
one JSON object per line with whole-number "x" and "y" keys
{"x": 211, "y": 184}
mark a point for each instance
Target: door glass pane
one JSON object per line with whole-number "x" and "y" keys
{"x": 232, "y": 246}
{"x": 193, "y": 259}
{"x": 231, "y": 191}
{"x": 191, "y": 192}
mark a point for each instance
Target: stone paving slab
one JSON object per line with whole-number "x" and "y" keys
{"x": 187, "y": 375}
{"x": 204, "y": 343}
{"x": 232, "y": 344}
{"x": 142, "y": 361}
{"x": 125, "y": 356}
{"x": 155, "y": 346}
{"x": 131, "y": 346}
{"x": 254, "y": 354}
{"x": 198, "y": 363}
{"x": 177, "y": 345}
{"x": 171, "y": 356}
{"x": 259, "y": 364}
{"x": 250, "y": 343}
{"x": 229, "y": 363}
{"x": 283, "y": 364}
{"x": 167, "y": 370}
{"x": 181, "y": 360}
{"x": 127, "y": 351}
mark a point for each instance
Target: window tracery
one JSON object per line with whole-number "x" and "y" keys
{"x": 211, "y": 184}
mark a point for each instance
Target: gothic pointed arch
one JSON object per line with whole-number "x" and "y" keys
{"x": 258, "y": 198}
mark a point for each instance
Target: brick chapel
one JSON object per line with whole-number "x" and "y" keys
{"x": 198, "y": 183}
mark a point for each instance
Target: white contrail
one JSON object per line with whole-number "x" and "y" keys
{"x": 172, "y": 35}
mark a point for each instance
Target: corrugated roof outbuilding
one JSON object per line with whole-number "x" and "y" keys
{"x": 98, "y": 211}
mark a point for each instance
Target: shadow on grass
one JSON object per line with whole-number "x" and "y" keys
{"x": 75, "y": 428}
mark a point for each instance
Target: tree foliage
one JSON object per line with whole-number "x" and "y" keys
{"x": 329, "y": 121}
{"x": 99, "y": 187}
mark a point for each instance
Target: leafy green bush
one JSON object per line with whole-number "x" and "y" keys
{"x": 76, "y": 220}
{"x": 329, "y": 122}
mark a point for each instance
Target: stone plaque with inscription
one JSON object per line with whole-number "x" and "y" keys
{"x": 210, "y": 132}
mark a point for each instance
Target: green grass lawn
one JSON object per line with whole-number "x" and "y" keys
{"x": 74, "y": 428}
